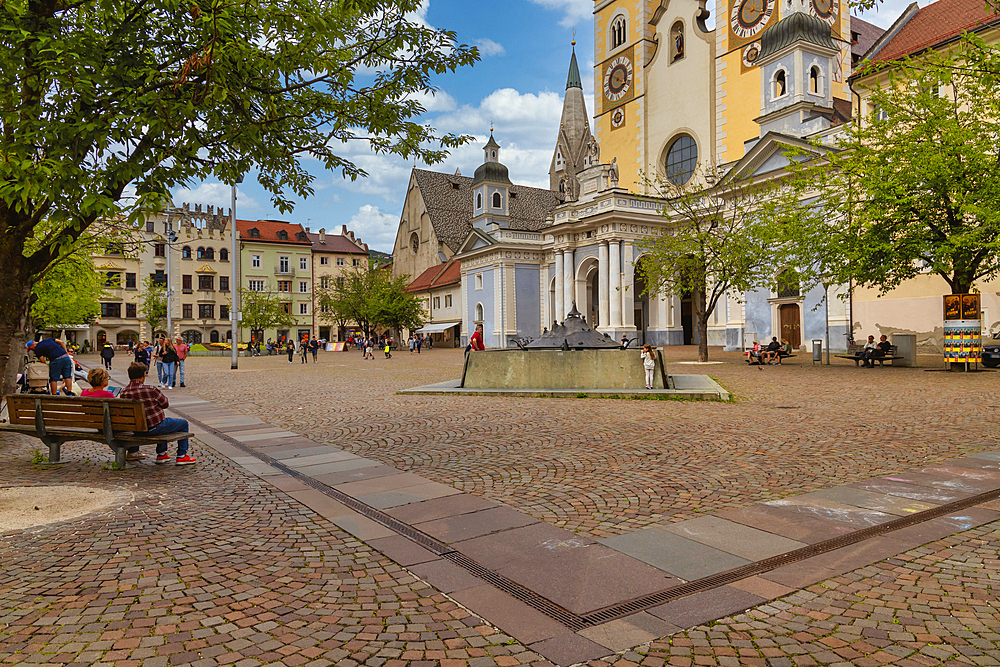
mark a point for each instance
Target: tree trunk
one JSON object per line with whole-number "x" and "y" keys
{"x": 15, "y": 317}
{"x": 702, "y": 317}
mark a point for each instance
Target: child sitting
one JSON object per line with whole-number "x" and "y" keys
{"x": 753, "y": 354}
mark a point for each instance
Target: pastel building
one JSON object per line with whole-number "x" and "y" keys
{"x": 333, "y": 256}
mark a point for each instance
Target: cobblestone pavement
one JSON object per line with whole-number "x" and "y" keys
{"x": 209, "y": 566}
{"x": 608, "y": 467}
{"x": 933, "y": 605}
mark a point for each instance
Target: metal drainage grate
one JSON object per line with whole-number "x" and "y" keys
{"x": 577, "y": 622}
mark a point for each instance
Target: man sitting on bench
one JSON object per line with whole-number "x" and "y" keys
{"x": 154, "y": 401}
{"x": 880, "y": 351}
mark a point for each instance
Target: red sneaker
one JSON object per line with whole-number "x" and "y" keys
{"x": 186, "y": 460}
{"x": 162, "y": 458}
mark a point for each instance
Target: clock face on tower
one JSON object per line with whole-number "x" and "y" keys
{"x": 749, "y": 17}
{"x": 824, "y": 9}
{"x": 618, "y": 78}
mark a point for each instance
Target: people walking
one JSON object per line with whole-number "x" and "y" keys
{"x": 182, "y": 350}
{"x": 290, "y": 350}
{"x": 314, "y": 349}
{"x": 169, "y": 357}
{"x": 107, "y": 354}
{"x": 157, "y": 356}
{"x": 388, "y": 348}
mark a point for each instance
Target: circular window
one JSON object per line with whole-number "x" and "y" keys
{"x": 414, "y": 242}
{"x": 682, "y": 158}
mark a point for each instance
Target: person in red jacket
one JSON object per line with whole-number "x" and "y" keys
{"x": 476, "y": 342}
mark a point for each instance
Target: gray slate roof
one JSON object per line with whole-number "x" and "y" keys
{"x": 449, "y": 203}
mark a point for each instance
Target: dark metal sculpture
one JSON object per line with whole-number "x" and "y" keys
{"x": 573, "y": 334}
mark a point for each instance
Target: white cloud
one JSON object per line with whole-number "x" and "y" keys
{"x": 884, "y": 14}
{"x": 490, "y": 48}
{"x": 574, "y": 10}
{"x": 217, "y": 194}
{"x": 435, "y": 101}
{"x": 375, "y": 228}
{"x": 525, "y": 115}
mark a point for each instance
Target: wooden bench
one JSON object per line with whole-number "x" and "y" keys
{"x": 58, "y": 419}
{"x": 759, "y": 361}
{"x": 855, "y": 349}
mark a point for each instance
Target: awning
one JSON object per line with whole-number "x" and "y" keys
{"x": 436, "y": 328}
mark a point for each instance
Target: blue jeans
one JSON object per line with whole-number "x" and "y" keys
{"x": 180, "y": 370}
{"x": 168, "y": 373}
{"x": 170, "y": 425}
{"x": 159, "y": 373}
{"x": 60, "y": 368}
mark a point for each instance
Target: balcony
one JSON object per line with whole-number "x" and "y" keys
{"x": 290, "y": 271}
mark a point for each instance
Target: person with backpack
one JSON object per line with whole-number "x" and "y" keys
{"x": 107, "y": 354}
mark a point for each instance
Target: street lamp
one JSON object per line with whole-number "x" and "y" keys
{"x": 234, "y": 280}
{"x": 171, "y": 239}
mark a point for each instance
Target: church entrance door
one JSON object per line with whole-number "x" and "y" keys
{"x": 687, "y": 321}
{"x": 790, "y": 328}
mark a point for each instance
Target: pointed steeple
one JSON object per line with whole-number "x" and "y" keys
{"x": 573, "y": 80}
{"x": 574, "y": 141}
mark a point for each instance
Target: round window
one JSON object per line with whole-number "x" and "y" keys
{"x": 414, "y": 242}
{"x": 682, "y": 158}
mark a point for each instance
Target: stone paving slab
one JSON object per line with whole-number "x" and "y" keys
{"x": 569, "y": 649}
{"x": 244, "y": 436}
{"x": 683, "y": 558}
{"x": 707, "y": 606}
{"x": 889, "y": 504}
{"x": 438, "y": 508}
{"x": 447, "y": 577}
{"x": 356, "y": 475}
{"x": 475, "y": 524}
{"x": 377, "y": 483}
{"x": 402, "y": 550}
{"x": 786, "y": 523}
{"x": 575, "y": 573}
{"x": 317, "y": 469}
{"x": 625, "y": 633}
{"x": 897, "y": 486}
{"x": 298, "y": 452}
{"x": 329, "y": 456}
{"x": 510, "y": 615}
{"x": 735, "y": 538}
{"x": 409, "y": 495}
{"x": 829, "y": 510}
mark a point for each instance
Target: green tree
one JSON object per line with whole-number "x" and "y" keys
{"x": 372, "y": 299}
{"x": 916, "y": 188}
{"x": 108, "y": 98}
{"x": 68, "y": 294}
{"x": 720, "y": 241}
{"x": 153, "y": 305}
{"x": 263, "y": 309}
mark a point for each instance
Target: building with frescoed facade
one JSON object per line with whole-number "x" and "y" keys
{"x": 199, "y": 277}
{"x": 276, "y": 257}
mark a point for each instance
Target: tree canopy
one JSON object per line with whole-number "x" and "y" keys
{"x": 372, "y": 299}
{"x": 68, "y": 294}
{"x": 916, "y": 186}
{"x": 153, "y": 305}
{"x": 109, "y": 105}
{"x": 263, "y": 309}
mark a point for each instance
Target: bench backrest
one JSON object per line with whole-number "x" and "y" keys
{"x": 76, "y": 412}
{"x": 858, "y": 347}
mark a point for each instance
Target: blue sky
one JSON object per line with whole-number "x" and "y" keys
{"x": 517, "y": 86}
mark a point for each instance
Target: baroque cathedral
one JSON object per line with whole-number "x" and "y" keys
{"x": 671, "y": 95}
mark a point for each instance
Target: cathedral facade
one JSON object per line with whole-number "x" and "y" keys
{"x": 674, "y": 101}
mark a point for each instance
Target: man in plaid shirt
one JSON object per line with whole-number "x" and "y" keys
{"x": 153, "y": 401}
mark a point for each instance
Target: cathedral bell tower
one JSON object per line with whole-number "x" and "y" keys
{"x": 490, "y": 189}
{"x": 796, "y": 61}
{"x": 575, "y": 149}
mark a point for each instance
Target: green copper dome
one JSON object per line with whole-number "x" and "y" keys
{"x": 494, "y": 172}
{"x": 794, "y": 28}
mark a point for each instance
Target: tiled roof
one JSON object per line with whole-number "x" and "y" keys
{"x": 449, "y": 203}
{"x": 268, "y": 231}
{"x": 842, "y": 111}
{"x": 336, "y": 243}
{"x": 866, "y": 33}
{"x": 936, "y": 23}
{"x": 440, "y": 275}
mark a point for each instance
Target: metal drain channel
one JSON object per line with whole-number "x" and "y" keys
{"x": 577, "y": 622}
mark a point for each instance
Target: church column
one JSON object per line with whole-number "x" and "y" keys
{"x": 615, "y": 288}
{"x": 628, "y": 293}
{"x": 604, "y": 303}
{"x": 560, "y": 313}
{"x": 569, "y": 281}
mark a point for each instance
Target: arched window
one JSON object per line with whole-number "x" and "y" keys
{"x": 209, "y": 253}
{"x": 191, "y": 337}
{"x": 779, "y": 84}
{"x": 787, "y": 286}
{"x": 479, "y": 312}
{"x": 497, "y": 200}
{"x": 224, "y": 255}
{"x": 414, "y": 243}
{"x": 201, "y": 253}
{"x": 479, "y": 200}
{"x": 677, "y": 42}
{"x": 814, "y": 80}
{"x": 186, "y": 252}
{"x": 618, "y": 32}
{"x": 682, "y": 159}
{"x": 214, "y": 336}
